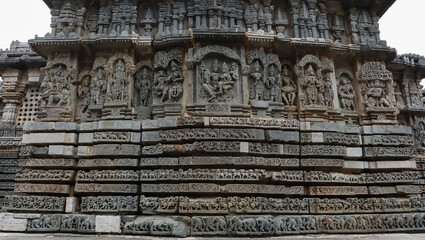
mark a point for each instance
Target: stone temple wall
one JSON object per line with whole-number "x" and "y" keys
{"x": 215, "y": 118}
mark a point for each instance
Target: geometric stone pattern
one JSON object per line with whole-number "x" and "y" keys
{"x": 212, "y": 118}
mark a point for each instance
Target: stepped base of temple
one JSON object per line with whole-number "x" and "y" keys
{"x": 19, "y": 236}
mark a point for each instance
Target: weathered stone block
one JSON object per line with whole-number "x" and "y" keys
{"x": 62, "y": 150}
{"x": 50, "y": 138}
{"x": 150, "y": 137}
{"x": 354, "y": 152}
{"x": 10, "y": 224}
{"x": 67, "y": 126}
{"x": 108, "y": 224}
{"x": 282, "y": 136}
{"x": 39, "y": 126}
{"x": 397, "y": 165}
{"x": 88, "y": 126}
{"x": 117, "y": 125}
{"x": 85, "y": 138}
{"x": 387, "y": 129}
{"x": 71, "y": 204}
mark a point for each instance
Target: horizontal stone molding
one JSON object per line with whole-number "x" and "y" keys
{"x": 42, "y": 188}
{"x": 105, "y": 188}
{"x": 49, "y": 138}
{"x": 34, "y": 203}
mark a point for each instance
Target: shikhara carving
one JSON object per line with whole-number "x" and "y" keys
{"x": 229, "y": 118}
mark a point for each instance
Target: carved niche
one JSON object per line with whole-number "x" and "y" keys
{"x": 265, "y": 83}
{"x": 217, "y": 79}
{"x": 143, "y": 89}
{"x": 346, "y": 92}
{"x": 168, "y": 83}
{"x": 377, "y": 93}
{"x": 56, "y": 90}
{"x": 119, "y": 72}
{"x": 309, "y": 19}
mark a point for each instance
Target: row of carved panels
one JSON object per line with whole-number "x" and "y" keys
{"x": 199, "y": 134}
{"x": 248, "y": 205}
{"x": 242, "y": 161}
{"x": 176, "y": 21}
{"x": 217, "y": 175}
{"x": 215, "y": 122}
{"x": 246, "y": 225}
{"x": 212, "y": 188}
{"x": 235, "y": 204}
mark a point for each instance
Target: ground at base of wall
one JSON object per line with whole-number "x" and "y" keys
{"x": 19, "y": 236}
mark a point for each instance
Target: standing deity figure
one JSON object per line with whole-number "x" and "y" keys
{"x": 117, "y": 83}
{"x": 327, "y": 91}
{"x": 46, "y": 88}
{"x": 346, "y": 94}
{"x": 289, "y": 89}
{"x": 274, "y": 83}
{"x": 143, "y": 85}
{"x": 375, "y": 96}
{"x": 314, "y": 89}
{"x": 161, "y": 88}
{"x": 98, "y": 87}
{"x": 175, "y": 80}
{"x": 84, "y": 93}
{"x": 258, "y": 88}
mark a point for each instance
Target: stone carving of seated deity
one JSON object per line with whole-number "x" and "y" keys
{"x": 54, "y": 88}
{"x": 169, "y": 88}
{"x": 375, "y": 96}
{"x": 216, "y": 83}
